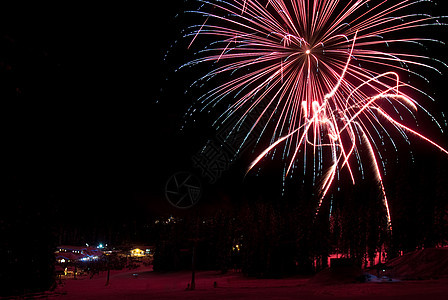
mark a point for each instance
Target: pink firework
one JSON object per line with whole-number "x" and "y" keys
{"x": 324, "y": 73}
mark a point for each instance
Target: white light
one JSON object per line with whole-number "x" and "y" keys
{"x": 308, "y": 51}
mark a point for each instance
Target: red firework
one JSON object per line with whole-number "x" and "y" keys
{"x": 323, "y": 72}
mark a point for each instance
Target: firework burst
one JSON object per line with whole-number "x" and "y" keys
{"x": 324, "y": 73}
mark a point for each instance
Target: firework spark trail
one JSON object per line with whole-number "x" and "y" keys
{"x": 316, "y": 68}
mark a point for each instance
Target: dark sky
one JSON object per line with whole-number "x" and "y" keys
{"x": 79, "y": 85}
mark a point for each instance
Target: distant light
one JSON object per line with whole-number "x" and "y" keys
{"x": 100, "y": 246}
{"x": 137, "y": 252}
{"x": 308, "y": 51}
{"x": 62, "y": 260}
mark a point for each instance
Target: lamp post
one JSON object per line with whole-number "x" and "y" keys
{"x": 193, "y": 264}
{"x": 193, "y": 255}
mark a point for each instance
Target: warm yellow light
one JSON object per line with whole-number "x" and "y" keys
{"x": 137, "y": 252}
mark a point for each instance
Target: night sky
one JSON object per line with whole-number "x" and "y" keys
{"x": 79, "y": 90}
{"x": 86, "y": 127}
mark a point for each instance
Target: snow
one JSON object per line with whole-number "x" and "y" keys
{"x": 145, "y": 284}
{"x": 429, "y": 263}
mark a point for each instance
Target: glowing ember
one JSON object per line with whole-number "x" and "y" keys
{"x": 325, "y": 73}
